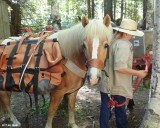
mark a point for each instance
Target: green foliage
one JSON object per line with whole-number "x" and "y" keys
{"x": 37, "y": 14}
{"x": 33, "y": 15}
{"x": 50, "y": 2}
{"x": 70, "y": 10}
{"x": 132, "y": 9}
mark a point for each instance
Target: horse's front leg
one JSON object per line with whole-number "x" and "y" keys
{"x": 6, "y": 106}
{"x": 55, "y": 99}
{"x": 71, "y": 106}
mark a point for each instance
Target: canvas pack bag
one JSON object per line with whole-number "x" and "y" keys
{"x": 26, "y": 62}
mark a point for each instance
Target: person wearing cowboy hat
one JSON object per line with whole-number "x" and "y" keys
{"x": 119, "y": 84}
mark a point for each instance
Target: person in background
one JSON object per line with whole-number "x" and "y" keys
{"x": 119, "y": 67}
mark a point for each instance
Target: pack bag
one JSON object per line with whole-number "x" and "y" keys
{"x": 24, "y": 63}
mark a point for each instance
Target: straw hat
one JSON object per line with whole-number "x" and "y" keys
{"x": 129, "y": 26}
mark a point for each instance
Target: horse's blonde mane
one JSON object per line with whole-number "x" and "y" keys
{"x": 72, "y": 39}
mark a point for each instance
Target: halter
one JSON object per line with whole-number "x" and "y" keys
{"x": 95, "y": 63}
{"x": 98, "y": 63}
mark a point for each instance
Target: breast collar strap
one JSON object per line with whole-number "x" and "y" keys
{"x": 75, "y": 69}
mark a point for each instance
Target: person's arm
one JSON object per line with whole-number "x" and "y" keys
{"x": 139, "y": 73}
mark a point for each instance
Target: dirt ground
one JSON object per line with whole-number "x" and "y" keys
{"x": 87, "y": 111}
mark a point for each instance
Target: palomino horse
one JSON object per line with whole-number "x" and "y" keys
{"x": 84, "y": 48}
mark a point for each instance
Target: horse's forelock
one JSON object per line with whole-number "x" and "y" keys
{"x": 96, "y": 28}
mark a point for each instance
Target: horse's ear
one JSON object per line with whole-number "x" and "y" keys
{"x": 84, "y": 21}
{"x": 107, "y": 20}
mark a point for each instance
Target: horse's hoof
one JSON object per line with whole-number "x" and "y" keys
{"x": 17, "y": 124}
{"x": 48, "y": 126}
{"x": 73, "y": 126}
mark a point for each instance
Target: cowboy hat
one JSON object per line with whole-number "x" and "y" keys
{"x": 130, "y": 27}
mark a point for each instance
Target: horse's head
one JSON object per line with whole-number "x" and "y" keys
{"x": 97, "y": 36}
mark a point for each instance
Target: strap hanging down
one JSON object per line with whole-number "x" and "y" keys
{"x": 37, "y": 44}
{"x": 35, "y": 80}
{"x": 9, "y": 79}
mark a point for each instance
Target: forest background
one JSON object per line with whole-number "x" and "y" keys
{"x": 37, "y": 14}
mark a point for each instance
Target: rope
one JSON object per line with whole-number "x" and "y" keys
{"x": 29, "y": 59}
{"x": 113, "y": 103}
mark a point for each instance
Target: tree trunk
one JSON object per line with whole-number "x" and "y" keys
{"x": 108, "y": 8}
{"x": 149, "y": 15}
{"x": 114, "y": 14}
{"x": 122, "y": 4}
{"x": 152, "y": 115}
{"x": 92, "y": 9}
{"x": 15, "y": 20}
{"x": 55, "y": 15}
{"x": 144, "y": 14}
{"x": 89, "y": 8}
{"x": 4, "y": 21}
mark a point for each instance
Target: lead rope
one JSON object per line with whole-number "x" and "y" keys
{"x": 113, "y": 103}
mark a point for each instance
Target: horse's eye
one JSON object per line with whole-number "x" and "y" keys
{"x": 84, "y": 46}
{"x": 106, "y": 45}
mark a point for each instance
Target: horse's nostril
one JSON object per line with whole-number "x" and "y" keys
{"x": 99, "y": 79}
{"x": 88, "y": 77}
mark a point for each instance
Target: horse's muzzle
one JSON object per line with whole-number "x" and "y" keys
{"x": 93, "y": 81}
{"x": 93, "y": 76}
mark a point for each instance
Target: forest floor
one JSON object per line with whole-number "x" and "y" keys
{"x": 87, "y": 111}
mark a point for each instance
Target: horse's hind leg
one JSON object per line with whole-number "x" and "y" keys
{"x": 6, "y": 106}
{"x": 71, "y": 106}
{"x": 55, "y": 99}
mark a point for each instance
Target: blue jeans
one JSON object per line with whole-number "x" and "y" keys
{"x": 105, "y": 113}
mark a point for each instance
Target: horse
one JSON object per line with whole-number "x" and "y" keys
{"x": 84, "y": 48}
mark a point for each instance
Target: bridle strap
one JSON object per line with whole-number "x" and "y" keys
{"x": 95, "y": 63}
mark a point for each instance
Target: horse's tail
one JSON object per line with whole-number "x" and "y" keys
{"x": 4, "y": 101}
{"x": 2, "y": 108}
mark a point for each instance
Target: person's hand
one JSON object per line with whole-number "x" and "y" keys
{"x": 142, "y": 73}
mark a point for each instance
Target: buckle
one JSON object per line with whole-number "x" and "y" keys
{"x": 9, "y": 67}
